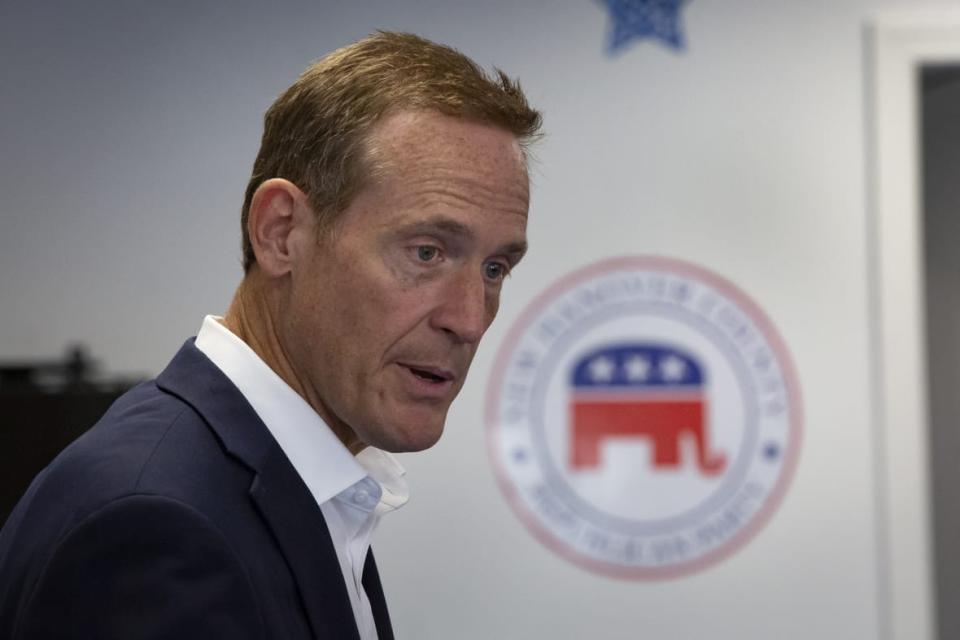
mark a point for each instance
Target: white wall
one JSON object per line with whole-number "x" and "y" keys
{"x": 127, "y": 131}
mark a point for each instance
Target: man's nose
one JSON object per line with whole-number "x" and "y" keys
{"x": 464, "y": 310}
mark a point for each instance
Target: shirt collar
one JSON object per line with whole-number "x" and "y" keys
{"x": 388, "y": 474}
{"x": 317, "y": 455}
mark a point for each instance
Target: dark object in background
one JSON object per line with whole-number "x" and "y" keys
{"x": 44, "y": 406}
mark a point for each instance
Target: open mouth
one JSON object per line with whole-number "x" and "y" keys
{"x": 429, "y": 376}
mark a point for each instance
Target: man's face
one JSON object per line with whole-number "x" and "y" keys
{"x": 386, "y": 312}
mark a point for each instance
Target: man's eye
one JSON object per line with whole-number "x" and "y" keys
{"x": 426, "y": 253}
{"x": 495, "y": 271}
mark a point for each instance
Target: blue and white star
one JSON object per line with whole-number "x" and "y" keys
{"x": 602, "y": 369}
{"x": 638, "y": 19}
{"x": 636, "y": 368}
{"x": 672, "y": 369}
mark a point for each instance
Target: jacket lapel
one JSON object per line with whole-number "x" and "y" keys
{"x": 278, "y": 492}
{"x": 302, "y": 534}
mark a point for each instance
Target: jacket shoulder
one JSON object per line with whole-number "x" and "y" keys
{"x": 148, "y": 443}
{"x": 113, "y": 457}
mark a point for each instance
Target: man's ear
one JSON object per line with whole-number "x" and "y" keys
{"x": 273, "y": 218}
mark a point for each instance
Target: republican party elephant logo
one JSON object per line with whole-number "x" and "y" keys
{"x": 647, "y": 391}
{"x": 644, "y": 417}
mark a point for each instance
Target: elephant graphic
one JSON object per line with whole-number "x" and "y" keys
{"x": 649, "y": 391}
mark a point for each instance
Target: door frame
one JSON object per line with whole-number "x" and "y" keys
{"x": 898, "y": 43}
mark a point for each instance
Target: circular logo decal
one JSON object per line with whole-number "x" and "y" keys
{"x": 643, "y": 418}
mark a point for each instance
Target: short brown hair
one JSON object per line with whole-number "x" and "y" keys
{"x": 315, "y": 132}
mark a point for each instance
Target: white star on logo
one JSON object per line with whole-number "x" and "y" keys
{"x": 601, "y": 369}
{"x": 672, "y": 369}
{"x": 637, "y": 368}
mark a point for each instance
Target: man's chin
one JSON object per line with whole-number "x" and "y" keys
{"x": 408, "y": 435}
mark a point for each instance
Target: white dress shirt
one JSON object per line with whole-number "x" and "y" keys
{"x": 352, "y": 492}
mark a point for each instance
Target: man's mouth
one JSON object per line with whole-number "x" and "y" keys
{"x": 430, "y": 374}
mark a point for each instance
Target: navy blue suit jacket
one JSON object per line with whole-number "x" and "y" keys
{"x": 176, "y": 516}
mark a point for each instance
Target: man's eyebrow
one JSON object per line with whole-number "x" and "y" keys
{"x": 443, "y": 224}
{"x": 454, "y": 228}
{"x": 515, "y": 251}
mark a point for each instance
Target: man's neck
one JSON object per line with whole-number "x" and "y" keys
{"x": 252, "y": 318}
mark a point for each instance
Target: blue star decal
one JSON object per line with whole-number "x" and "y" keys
{"x": 638, "y": 19}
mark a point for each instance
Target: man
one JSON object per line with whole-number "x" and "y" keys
{"x": 235, "y": 495}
